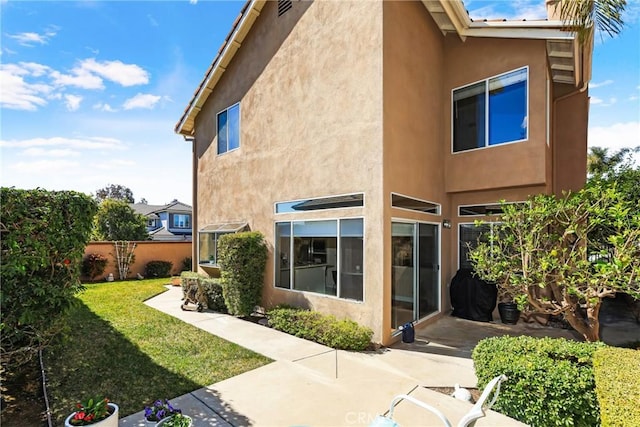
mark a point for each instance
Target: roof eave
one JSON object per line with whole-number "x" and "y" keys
{"x": 249, "y": 14}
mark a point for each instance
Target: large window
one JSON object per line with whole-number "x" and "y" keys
{"x": 208, "y": 239}
{"x": 181, "y": 221}
{"x": 229, "y": 129}
{"x": 468, "y": 238}
{"x": 324, "y": 257}
{"x": 491, "y": 112}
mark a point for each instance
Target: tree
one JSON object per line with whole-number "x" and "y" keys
{"x": 582, "y": 16}
{"x": 116, "y": 220}
{"x": 554, "y": 255}
{"x": 115, "y": 192}
{"x": 602, "y": 164}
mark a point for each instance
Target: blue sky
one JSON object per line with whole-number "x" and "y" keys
{"x": 91, "y": 90}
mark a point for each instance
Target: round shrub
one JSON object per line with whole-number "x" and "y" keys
{"x": 550, "y": 381}
{"x": 617, "y": 374}
{"x": 158, "y": 269}
{"x": 93, "y": 265}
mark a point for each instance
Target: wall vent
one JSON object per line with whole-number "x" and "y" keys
{"x": 284, "y": 6}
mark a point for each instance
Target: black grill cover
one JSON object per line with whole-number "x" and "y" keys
{"x": 472, "y": 298}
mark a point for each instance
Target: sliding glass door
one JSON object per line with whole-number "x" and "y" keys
{"x": 415, "y": 271}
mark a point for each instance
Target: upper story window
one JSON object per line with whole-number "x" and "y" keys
{"x": 181, "y": 221}
{"x": 491, "y": 112}
{"x": 229, "y": 129}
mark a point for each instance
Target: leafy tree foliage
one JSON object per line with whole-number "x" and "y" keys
{"x": 116, "y": 220}
{"x": 44, "y": 235}
{"x": 582, "y": 16}
{"x": 601, "y": 164}
{"x": 115, "y": 192}
{"x": 563, "y": 255}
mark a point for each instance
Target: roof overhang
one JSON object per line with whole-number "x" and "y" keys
{"x": 569, "y": 62}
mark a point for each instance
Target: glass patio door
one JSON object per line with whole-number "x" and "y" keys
{"x": 415, "y": 271}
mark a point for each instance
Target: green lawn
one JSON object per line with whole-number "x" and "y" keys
{"x": 118, "y": 347}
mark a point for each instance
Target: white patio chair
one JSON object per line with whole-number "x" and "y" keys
{"x": 469, "y": 420}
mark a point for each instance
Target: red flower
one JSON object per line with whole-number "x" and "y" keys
{"x": 67, "y": 261}
{"x": 79, "y": 416}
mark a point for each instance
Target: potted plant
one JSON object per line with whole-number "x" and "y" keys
{"x": 176, "y": 420}
{"x": 160, "y": 409}
{"x": 507, "y": 307}
{"x": 97, "y": 412}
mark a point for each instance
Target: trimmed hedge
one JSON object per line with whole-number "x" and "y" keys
{"x": 343, "y": 334}
{"x": 550, "y": 381}
{"x": 242, "y": 258}
{"x": 212, "y": 288}
{"x": 617, "y": 375}
{"x": 43, "y": 235}
{"x": 158, "y": 269}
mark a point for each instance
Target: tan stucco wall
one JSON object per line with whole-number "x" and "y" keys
{"x": 145, "y": 251}
{"x": 350, "y": 97}
{"x": 506, "y": 165}
{"x": 310, "y": 113}
{"x": 413, "y": 129}
{"x": 571, "y": 115}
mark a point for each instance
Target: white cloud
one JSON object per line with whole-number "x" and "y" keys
{"x": 18, "y": 94}
{"x": 41, "y": 167}
{"x": 616, "y": 136}
{"x": 114, "y": 164}
{"x": 602, "y": 103}
{"x": 104, "y": 107}
{"x": 604, "y": 83}
{"x": 80, "y": 78}
{"x": 30, "y": 39}
{"x": 72, "y": 102}
{"x": 193, "y": 1}
{"x": 141, "y": 100}
{"x": 41, "y": 152}
{"x": 117, "y": 71}
{"x": 91, "y": 143}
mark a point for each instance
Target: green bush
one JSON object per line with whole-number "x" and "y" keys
{"x": 242, "y": 258}
{"x": 93, "y": 265}
{"x": 550, "y": 381}
{"x": 342, "y": 334}
{"x": 617, "y": 374}
{"x": 212, "y": 288}
{"x": 158, "y": 269}
{"x": 43, "y": 235}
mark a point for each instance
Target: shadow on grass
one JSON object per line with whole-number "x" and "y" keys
{"x": 92, "y": 359}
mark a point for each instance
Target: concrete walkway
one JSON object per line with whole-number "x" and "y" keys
{"x": 309, "y": 384}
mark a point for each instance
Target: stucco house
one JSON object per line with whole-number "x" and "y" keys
{"x": 170, "y": 222}
{"x": 364, "y": 138}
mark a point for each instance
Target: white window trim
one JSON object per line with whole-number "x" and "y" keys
{"x": 438, "y": 205}
{"x": 338, "y": 248}
{"x": 239, "y": 127}
{"x": 485, "y": 204}
{"x": 486, "y": 116}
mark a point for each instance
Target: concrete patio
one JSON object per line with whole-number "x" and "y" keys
{"x": 309, "y": 384}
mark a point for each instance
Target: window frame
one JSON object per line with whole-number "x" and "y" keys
{"x": 339, "y": 236}
{"x": 487, "y": 111}
{"x": 437, "y": 206}
{"x": 280, "y": 210}
{"x": 218, "y": 231}
{"x": 177, "y": 215}
{"x": 491, "y": 224}
{"x": 226, "y": 111}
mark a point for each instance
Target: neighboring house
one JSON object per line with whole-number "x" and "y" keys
{"x": 363, "y": 139}
{"x": 167, "y": 222}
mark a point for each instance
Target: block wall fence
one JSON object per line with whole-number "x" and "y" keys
{"x": 145, "y": 251}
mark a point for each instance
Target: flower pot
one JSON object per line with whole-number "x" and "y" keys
{"x": 110, "y": 421}
{"x": 166, "y": 420}
{"x": 509, "y": 312}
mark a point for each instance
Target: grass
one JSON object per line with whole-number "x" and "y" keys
{"x": 118, "y": 347}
